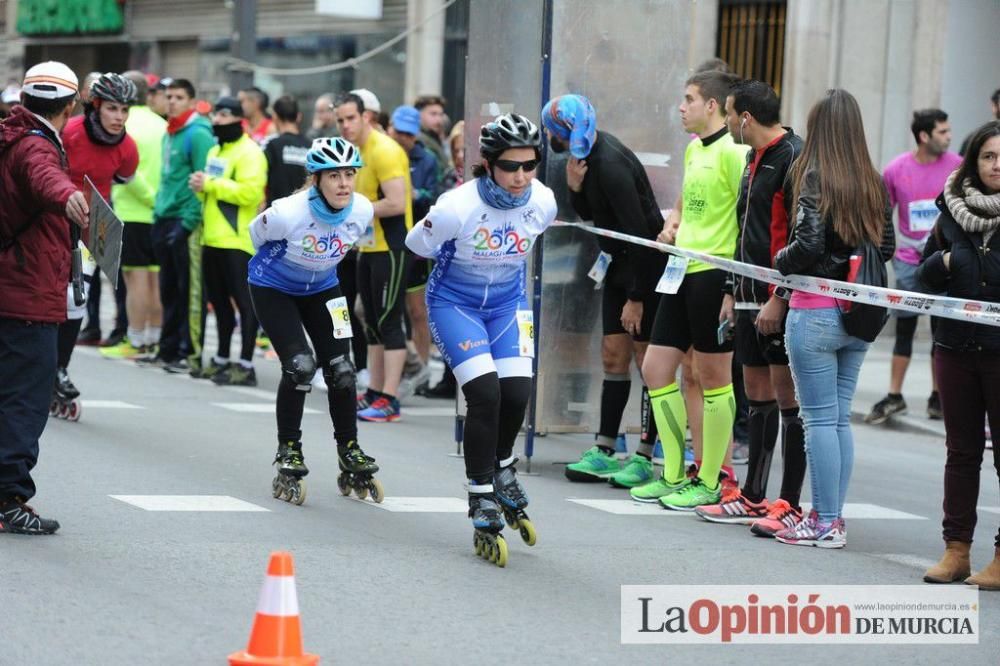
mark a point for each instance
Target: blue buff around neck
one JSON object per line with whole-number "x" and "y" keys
{"x": 497, "y": 197}
{"x": 324, "y": 212}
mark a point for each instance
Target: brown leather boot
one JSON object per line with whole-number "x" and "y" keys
{"x": 954, "y": 564}
{"x": 988, "y": 578}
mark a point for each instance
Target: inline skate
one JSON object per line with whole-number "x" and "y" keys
{"x": 65, "y": 398}
{"x": 513, "y": 500}
{"x": 357, "y": 473}
{"x": 288, "y": 484}
{"x": 485, "y": 513}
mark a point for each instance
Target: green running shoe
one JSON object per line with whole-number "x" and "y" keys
{"x": 595, "y": 465}
{"x": 695, "y": 494}
{"x": 637, "y": 471}
{"x": 654, "y": 490}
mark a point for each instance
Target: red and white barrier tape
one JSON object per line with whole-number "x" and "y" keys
{"x": 978, "y": 312}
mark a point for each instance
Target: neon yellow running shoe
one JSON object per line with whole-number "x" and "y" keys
{"x": 123, "y": 349}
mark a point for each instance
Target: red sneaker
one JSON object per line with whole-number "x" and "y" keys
{"x": 734, "y": 508}
{"x": 780, "y": 516}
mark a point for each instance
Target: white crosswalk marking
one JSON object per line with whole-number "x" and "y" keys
{"x": 256, "y": 407}
{"x": 109, "y": 404}
{"x": 990, "y": 509}
{"x": 188, "y": 503}
{"x": 628, "y": 507}
{"x": 871, "y": 511}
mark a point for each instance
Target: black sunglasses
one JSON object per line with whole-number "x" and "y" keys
{"x": 511, "y": 166}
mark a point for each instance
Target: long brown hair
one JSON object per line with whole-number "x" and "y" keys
{"x": 852, "y": 197}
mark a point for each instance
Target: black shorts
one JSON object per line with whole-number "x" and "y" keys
{"x": 691, "y": 316}
{"x": 613, "y": 300}
{"x": 137, "y": 247}
{"x": 753, "y": 349}
{"x": 417, "y": 273}
{"x": 380, "y": 284}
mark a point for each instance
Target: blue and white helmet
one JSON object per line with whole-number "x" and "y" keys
{"x": 332, "y": 153}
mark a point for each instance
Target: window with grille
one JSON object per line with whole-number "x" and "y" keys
{"x": 751, "y": 38}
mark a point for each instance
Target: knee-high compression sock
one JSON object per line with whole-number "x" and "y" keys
{"x": 720, "y": 413}
{"x": 671, "y": 419}
{"x": 762, "y": 428}
{"x": 647, "y": 439}
{"x": 793, "y": 453}
{"x": 614, "y": 397}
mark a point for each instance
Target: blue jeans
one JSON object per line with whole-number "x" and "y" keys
{"x": 823, "y": 355}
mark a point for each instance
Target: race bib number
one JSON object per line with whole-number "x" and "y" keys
{"x": 526, "y": 333}
{"x": 600, "y": 269}
{"x": 215, "y": 167}
{"x": 341, "y": 317}
{"x": 673, "y": 275}
{"x": 368, "y": 240}
{"x": 923, "y": 214}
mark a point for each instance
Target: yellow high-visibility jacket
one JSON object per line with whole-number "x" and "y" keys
{"x": 235, "y": 179}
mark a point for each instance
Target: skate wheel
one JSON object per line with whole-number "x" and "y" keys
{"x": 73, "y": 411}
{"x": 276, "y": 489}
{"x": 500, "y": 550}
{"x": 54, "y": 408}
{"x": 377, "y": 492}
{"x": 297, "y": 493}
{"x": 63, "y": 411}
{"x": 343, "y": 485}
{"x": 512, "y": 520}
{"x": 361, "y": 492}
{"x": 478, "y": 543}
{"x": 528, "y": 532}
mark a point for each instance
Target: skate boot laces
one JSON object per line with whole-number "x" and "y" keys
{"x": 509, "y": 488}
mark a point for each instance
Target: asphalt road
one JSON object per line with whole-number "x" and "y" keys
{"x": 122, "y": 584}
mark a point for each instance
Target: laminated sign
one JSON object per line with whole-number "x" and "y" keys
{"x": 105, "y": 235}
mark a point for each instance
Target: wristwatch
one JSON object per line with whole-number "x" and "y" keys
{"x": 784, "y": 293}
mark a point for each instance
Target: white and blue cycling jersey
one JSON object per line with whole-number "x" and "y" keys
{"x": 478, "y": 283}
{"x": 480, "y": 250}
{"x": 298, "y": 253}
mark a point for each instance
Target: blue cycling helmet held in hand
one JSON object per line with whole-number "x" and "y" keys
{"x": 332, "y": 153}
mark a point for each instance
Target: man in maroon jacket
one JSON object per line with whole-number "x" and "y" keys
{"x": 36, "y": 198}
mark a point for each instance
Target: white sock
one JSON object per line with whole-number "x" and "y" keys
{"x": 246, "y": 365}
{"x": 136, "y": 337}
{"x": 152, "y": 335}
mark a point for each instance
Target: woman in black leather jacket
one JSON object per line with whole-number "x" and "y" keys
{"x": 840, "y": 203}
{"x": 962, "y": 259}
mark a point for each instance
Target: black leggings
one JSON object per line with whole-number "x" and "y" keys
{"x": 68, "y": 331}
{"x": 347, "y": 273}
{"x": 495, "y": 413}
{"x": 225, "y": 274}
{"x": 283, "y": 317}
{"x": 381, "y": 282}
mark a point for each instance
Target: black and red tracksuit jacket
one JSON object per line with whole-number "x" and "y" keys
{"x": 765, "y": 213}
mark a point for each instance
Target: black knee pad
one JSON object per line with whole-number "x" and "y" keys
{"x": 339, "y": 374}
{"x": 905, "y": 328}
{"x": 300, "y": 370}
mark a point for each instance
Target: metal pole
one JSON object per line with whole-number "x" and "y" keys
{"x": 536, "y": 300}
{"x": 244, "y": 42}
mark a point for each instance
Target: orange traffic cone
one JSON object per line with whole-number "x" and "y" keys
{"x": 276, "y": 637}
